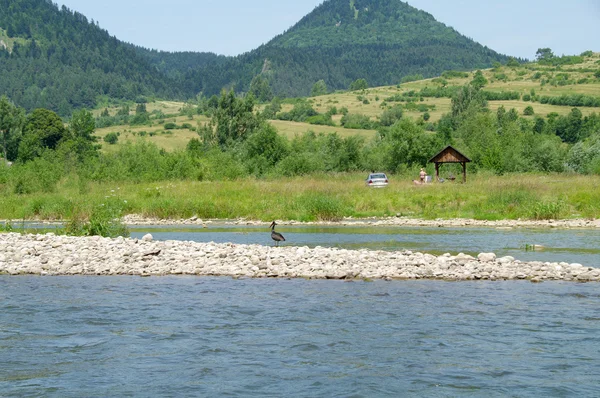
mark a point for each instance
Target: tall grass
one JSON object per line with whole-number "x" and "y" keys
{"x": 319, "y": 197}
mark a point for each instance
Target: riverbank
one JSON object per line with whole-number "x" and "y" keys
{"x": 326, "y": 197}
{"x": 138, "y": 220}
{"x": 50, "y": 254}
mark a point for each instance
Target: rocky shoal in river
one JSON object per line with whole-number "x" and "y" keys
{"x": 50, "y": 254}
{"x": 134, "y": 219}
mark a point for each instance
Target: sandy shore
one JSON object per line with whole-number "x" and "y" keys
{"x": 50, "y": 254}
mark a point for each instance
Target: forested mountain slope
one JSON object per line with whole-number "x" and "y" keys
{"x": 56, "y": 59}
{"x": 343, "y": 40}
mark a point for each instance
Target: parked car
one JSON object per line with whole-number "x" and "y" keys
{"x": 377, "y": 180}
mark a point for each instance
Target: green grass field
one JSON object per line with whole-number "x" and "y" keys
{"x": 520, "y": 79}
{"x": 322, "y": 197}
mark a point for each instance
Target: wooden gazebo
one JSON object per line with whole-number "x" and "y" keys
{"x": 450, "y": 155}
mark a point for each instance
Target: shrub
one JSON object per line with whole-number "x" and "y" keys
{"x": 111, "y": 138}
{"x": 528, "y": 111}
{"x": 391, "y": 116}
{"x": 322, "y": 120}
{"x": 357, "y": 122}
{"x": 452, "y": 74}
{"x": 359, "y": 84}
{"x": 105, "y": 220}
{"x": 170, "y": 126}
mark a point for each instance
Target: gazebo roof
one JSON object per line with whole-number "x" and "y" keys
{"x": 449, "y": 155}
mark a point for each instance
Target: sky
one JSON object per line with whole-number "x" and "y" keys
{"x": 231, "y": 27}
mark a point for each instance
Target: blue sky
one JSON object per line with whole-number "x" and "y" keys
{"x": 231, "y": 27}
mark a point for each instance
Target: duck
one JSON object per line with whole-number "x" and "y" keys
{"x": 276, "y": 236}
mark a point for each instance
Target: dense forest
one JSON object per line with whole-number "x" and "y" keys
{"x": 57, "y": 59}
{"x": 63, "y": 62}
{"x": 340, "y": 41}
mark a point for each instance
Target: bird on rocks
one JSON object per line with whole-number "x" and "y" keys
{"x": 276, "y": 236}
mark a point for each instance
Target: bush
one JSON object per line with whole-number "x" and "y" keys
{"x": 359, "y": 84}
{"x": 170, "y": 126}
{"x": 105, "y": 220}
{"x": 452, "y": 74}
{"x": 391, "y": 116}
{"x": 528, "y": 111}
{"x": 322, "y": 120}
{"x": 111, "y": 138}
{"x": 357, "y": 122}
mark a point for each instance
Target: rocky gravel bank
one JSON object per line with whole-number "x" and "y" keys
{"x": 133, "y": 219}
{"x": 62, "y": 255}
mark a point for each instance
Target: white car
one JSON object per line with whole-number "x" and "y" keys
{"x": 377, "y": 180}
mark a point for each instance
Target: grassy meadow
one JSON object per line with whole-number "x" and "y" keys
{"x": 371, "y": 103}
{"x": 321, "y": 197}
{"x": 333, "y": 196}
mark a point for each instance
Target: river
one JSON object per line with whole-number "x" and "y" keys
{"x": 192, "y": 336}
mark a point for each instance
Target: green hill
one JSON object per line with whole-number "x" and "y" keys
{"x": 340, "y": 41}
{"x": 56, "y": 59}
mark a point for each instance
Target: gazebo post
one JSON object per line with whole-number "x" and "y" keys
{"x": 450, "y": 155}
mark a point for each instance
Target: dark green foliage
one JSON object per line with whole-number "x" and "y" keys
{"x": 382, "y": 42}
{"x": 321, "y": 120}
{"x": 272, "y": 108}
{"x": 391, "y": 116}
{"x": 479, "y": 81}
{"x": 12, "y": 119}
{"x": 406, "y": 144}
{"x": 261, "y": 89}
{"x": 233, "y": 121}
{"x": 584, "y": 157}
{"x": 319, "y": 88}
{"x": 512, "y": 62}
{"x": 452, "y": 74}
{"x": 111, "y": 138}
{"x": 411, "y": 78}
{"x": 571, "y": 100}
{"x": 68, "y": 61}
{"x": 528, "y": 111}
{"x": 355, "y": 121}
{"x": 44, "y": 129}
{"x": 597, "y": 74}
{"x": 359, "y": 84}
{"x": 501, "y": 95}
{"x": 300, "y": 113}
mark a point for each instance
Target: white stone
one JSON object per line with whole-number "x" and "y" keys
{"x": 147, "y": 238}
{"x": 486, "y": 257}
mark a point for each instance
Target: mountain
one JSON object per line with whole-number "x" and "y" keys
{"x": 340, "y": 41}
{"x": 56, "y": 59}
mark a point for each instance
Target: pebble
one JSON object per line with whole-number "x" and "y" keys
{"x": 47, "y": 255}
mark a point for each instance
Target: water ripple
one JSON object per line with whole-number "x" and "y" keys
{"x": 185, "y": 336}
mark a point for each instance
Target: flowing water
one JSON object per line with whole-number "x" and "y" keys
{"x": 207, "y": 337}
{"x": 555, "y": 245}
